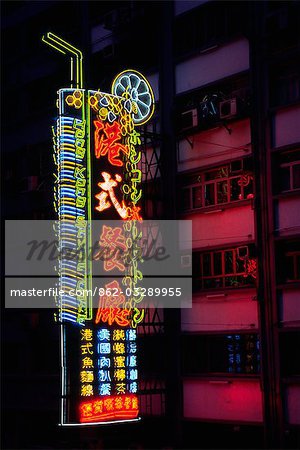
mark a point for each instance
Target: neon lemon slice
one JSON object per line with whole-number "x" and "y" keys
{"x": 133, "y": 86}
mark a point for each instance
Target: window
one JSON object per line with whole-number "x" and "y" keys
{"x": 208, "y": 25}
{"x": 227, "y": 184}
{"x": 282, "y": 26}
{"x": 290, "y": 176}
{"x": 289, "y": 343}
{"x": 232, "y": 353}
{"x": 285, "y": 85}
{"x": 288, "y": 262}
{"x": 224, "y": 268}
{"x": 286, "y": 171}
{"x": 292, "y": 266}
{"x": 153, "y": 347}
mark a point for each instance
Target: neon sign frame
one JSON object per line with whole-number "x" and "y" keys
{"x": 131, "y": 103}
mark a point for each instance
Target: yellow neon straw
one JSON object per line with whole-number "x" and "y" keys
{"x": 64, "y": 47}
{"x": 73, "y": 50}
{"x": 51, "y": 45}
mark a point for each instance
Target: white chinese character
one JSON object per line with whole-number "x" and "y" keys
{"x": 133, "y": 374}
{"x": 104, "y": 362}
{"x": 133, "y": 387}
{"x": 131, "y": 335}
{"x": 104, "y": 347}
{"x": 103, "y": 334}
{"x": 105, "y": 389}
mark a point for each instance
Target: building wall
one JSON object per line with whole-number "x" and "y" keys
{"x": 215, "y": 145}
{"x": 214, "y": 65}
{"x": 221, "y": 312}
{"x": 223, "y": 400}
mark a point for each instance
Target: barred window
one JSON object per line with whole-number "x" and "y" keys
{"x": 233, "y": 267}
{"x": 231, "y": 353}
{"x": 290, "y": 176}
{"x": 292, "y": 266}
{"x": 226, "y": 184}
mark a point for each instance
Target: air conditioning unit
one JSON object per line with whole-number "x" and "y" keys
{"x": 228, "y": 108}
{"x": 188, "y": 119}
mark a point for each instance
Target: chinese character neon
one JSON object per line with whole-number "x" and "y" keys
{"x": 108, "y": 191}
{"x": 87, "y": 334}
{"x": 103, "y": 334}
{"x": 120, "y": 374}
{"x": 106, "y": 142}
{"x": 86, "y": 348}
{"x": 104, "y": 347}
{"x": 86, "y": 376}
{"x": 113, "y": 239}
{"x": 119, "y": 348}
{"x": 119, "y": 361}
{"x": 105, "y": 389}
{"x": 113, "y": 315}
{"x": 87, "y": 390}
{"x": 104, "y": 375}
{"x": 87, "y": 363}
{"x": 120, "y": 388}
{"x": 118, "y": 335}
{"x": 104, "y": 362}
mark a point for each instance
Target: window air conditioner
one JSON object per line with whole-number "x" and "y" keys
{"x": 228, "y": 108}
{"x": 188, "y": 119}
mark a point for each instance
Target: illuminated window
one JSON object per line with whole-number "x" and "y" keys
{"x": 230, "y": 183}
{"x": 232, "y": 353}
{"x": 224, "y": 268}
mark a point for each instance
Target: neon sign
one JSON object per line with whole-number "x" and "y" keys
{"x": 109, "y": 408}
{"x": 98, "y": 175}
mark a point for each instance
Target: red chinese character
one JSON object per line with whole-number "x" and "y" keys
{"x": 106, "y": 142}
{"x": 133, "y": 213}
{"x": 86, "y": 409}
{"x": 113, "y": 238}
{"x": 111, "y": 301}
{"x": 111, "y": 315}
{"x": 250, "y": 268}
{"x": 108, "y": 191}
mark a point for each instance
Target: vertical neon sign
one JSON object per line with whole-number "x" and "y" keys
{"x": 95, "y": 139}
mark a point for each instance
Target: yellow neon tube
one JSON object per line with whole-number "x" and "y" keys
{"x": 64, "y": 47}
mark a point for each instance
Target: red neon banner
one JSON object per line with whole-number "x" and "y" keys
{"x": 118, "y": 407}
